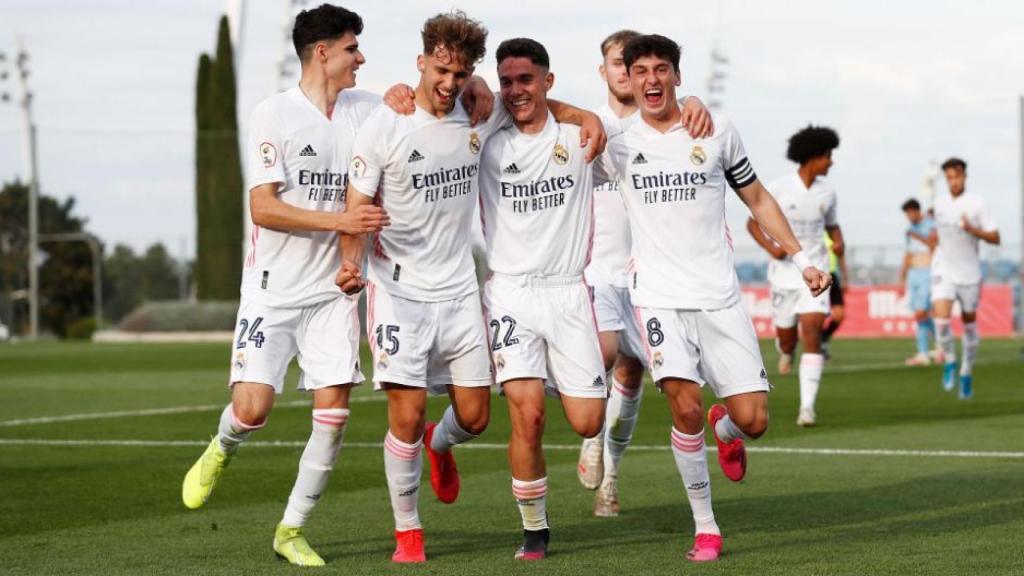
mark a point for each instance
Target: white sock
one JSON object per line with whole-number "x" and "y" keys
{"x": 728, "y": 431}
{"x": 316, "y": 464}
{"x": 531, "y": 495}
{"x": 970, "y": 342}
{"x": 231, "y": 432}
{"x": 403, "y": 465}
{"x": 810, "y": 378}
{"x": 620, "y": 422}
{"x": 944, "y": 339}
{"x": 692, "y": 462}
{"x": 448, "y": 433}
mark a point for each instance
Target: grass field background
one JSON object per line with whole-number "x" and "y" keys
{"x": 93, "y": 508}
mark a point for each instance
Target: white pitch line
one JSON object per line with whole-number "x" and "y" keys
{"x": 494, "y": 446}
{"x": 159, "y": 412}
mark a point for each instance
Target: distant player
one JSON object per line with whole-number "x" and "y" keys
{"x": 915, "y": 278}
{"x": 621, "y": 344}
{"x": 299, "y": 142}
{"x": 682, "y": 278}
{"x": 836, "y": 293}
{"x": 424, "y": 318}
{"x": 961, "y": 219}
{"x": 536, "y": 192}
{"x": 809, "y": 204}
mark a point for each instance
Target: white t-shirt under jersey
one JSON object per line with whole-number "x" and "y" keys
{"x": 674, "y": 188}
{"x": 293, "y": 143}
{"x": 956, "y": 256}
{"x": 424, "y": 171}
{"x": 536, "y": 201}
{"x": 611, "y": 223}
{"x": 809, "y": 211}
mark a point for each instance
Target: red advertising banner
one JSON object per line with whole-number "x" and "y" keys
{"x": 881, "y": 311}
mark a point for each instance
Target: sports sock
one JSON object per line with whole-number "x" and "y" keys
{"x": 829, "y": 329}
{"x": 448, "y": 433}
{"x": 692, "y": 462}
{"x": 531, "y": 496}
{"x": 944, "y": 339}
{"x": 316, "y": 464}
{"x": 924, "y": 331}
{"x": 810, "y": 378}
{"x": 970, "y": 342}
{"x": 231, "y": 432}
{"x": 403, "y": 466}
{"x": 620, "y": 422}
{"x": 727, "y": 430}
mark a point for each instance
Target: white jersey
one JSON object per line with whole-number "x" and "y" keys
{"x": 956, "y": 256}
{"x": 809, "y": 211}
{"x": 611, "y": 224}
{"x": 536, "y": 201}
{"x": 674, "y": 188}
{"x": 291, "y": 142}
{"x": 423, "y": 170}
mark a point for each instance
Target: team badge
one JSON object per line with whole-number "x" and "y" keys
{"x": 474, "y": 143}
{"x": 698, "y": 156}
{"x": 357, "y": 167}
{"x": 240, "y": 361}
{"x": 382, "y": 361}
{"x": 499, "y": 361}
{"x": 560, "y": 154}
{"x": 268, "y": 154}
{"x": 658, "y": 360}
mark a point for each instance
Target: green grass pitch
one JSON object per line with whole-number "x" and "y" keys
{"x": 95, "y": 508}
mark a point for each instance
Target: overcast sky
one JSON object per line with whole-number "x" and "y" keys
{"x": 904, "y": 83}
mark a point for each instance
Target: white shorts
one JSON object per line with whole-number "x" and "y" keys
{"x": 714, "y": 347}
{"x": 968, "y": 295}
{"x": 788, "y": 303}
{"x": 427, "y": 344}
{"x": 545, "y": 328}
{"x": 614, "y": 311}
{"x": 324, "y": 336}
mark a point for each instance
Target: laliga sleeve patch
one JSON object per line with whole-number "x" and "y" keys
{"x": 357, "y": 168}
{"x": 268, "y": 154}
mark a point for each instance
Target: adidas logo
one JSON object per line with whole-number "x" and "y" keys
{"x": 415, "y": 156}
{"x": 599, "y": 382}
{"x": 308, "y": 151}
{"x": 511, "y": 169}
{"x": 639, "y": 159}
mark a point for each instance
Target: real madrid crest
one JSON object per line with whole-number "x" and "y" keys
{"x": 499, "y": 361}
{"x": 382, "y": 361}
{"x": 240, "y": 361}
{"x": 658, "y": 360}
{"x": 698, "y": 156}
{"x": 474, "y": 142}
{"x": 560, "y": 154}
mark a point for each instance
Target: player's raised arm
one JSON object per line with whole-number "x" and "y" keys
{"x": 769, "y": 216}
{"x": 696, "y": 117}
{"x": 591, "y": 128}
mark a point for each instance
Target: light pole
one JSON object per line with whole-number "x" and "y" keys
{"x": 716, "y": 79}
{"x": 24, "y": 101}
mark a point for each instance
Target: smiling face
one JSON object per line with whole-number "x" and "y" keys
{"x": 613, "y": 72}
{"x": 654, "y": 82}
{"x": 341, "y": 59}
{"x": 524, "y": 88}
{"x": 442, "y": 77}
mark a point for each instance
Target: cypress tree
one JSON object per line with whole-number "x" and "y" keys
{"x": 218, "y": 175}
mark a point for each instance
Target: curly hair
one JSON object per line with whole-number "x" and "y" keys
{"x": 325, "y": 22}
{"x": 455, "y": 36}
{"x": 810, "y": 143}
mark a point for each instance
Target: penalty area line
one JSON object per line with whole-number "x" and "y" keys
{"x": 69, "y": 443}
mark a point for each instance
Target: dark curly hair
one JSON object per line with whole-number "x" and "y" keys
{"x": 810, "y": 143}
{"x": 325, "y": 22}
{"x": 455, "y": 35}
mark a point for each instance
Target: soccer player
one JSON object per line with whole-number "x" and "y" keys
{"x": 536, "y": 194}
{"x": 915, "y": 277}
{"x": 621, "y": 344}
{"x": 682, "y": 278}
{"x": 809, "y": 204}
{"x": 299, "y": 142}
{"x": 961, "y": 220}
{"x": 424, "y": 316}
{"x": 836, "y": 293}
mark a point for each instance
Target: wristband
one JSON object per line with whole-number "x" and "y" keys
{"x": 801, "y": 260}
